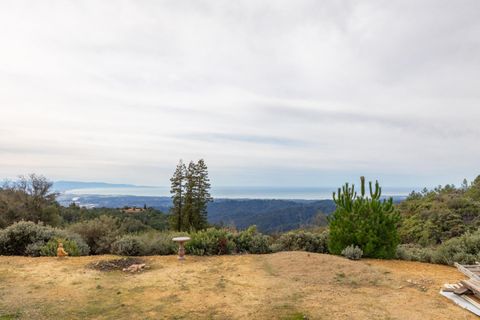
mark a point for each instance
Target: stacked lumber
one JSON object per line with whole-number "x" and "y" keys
{"x": 465, "y": 293}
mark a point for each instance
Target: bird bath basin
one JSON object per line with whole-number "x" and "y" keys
{"x": 181, "y": 248}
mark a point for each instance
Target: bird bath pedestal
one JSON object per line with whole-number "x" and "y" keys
{"x": 181, "y": 248}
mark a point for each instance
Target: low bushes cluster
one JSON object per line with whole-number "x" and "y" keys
{"x": 251, "y": 241}
{"x": 204, "y": 242}
{"x": 415, "y": 252}
{"x": 71, "y": 246}
{"x": 303, "y": 241}
{"x": 99, "y": 233}
{"x": 102, "y": 236}
{"x": 30, "y": 239}
{"x": 128, "y": 245}
{"x": 146, "y": 244}
{"x": 464, "y": 249}
{"x": 223, "y": 241}
{"x": 211, "y": 242}
{"x": 159, "y": 243}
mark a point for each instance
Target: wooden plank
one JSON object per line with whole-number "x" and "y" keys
{"x": 473, "y": 268}
{"x": 461, "y": 290}
{"x": 472, "y": 282}
{"x": 472, "y": 300}
{"x": 459, "y": 300}
{"x": 472, "y": 285}
{"x": 448, "y": 287}
{"x": 467, "y": 272}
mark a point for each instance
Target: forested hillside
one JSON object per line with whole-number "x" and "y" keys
{"x": 270, "y": 215}
{"x": 441, "y": 225}
{"x": 433, "y": 216}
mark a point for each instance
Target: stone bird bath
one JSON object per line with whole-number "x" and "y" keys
{"x": 181, "y": 246}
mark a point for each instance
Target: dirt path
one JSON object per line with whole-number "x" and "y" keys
{"x": 287, "y": 285}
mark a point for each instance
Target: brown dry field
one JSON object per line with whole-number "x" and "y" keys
{"x": 286, "y": 285}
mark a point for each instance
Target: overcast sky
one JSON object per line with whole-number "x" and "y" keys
{"x": 285, "y": 93}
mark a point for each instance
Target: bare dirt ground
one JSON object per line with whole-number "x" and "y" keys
{"x": 286, "y": 285}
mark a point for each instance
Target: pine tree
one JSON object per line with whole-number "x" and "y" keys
{"x": 202, "y": 196}
{"x": 190, "y": 210}
{"x": 366, "y": 222}
{"x": 178, "y": 195}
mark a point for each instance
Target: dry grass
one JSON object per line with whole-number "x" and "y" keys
{"x": 287, "y": 285}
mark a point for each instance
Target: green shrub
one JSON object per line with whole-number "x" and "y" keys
{"x": 415, "y": 252}
{"x": 132, "y": 225}
{"x": 15, "y": 238}
{"x": 210, "y": 242}
{"x": 464, "y": 249}
{"x": 34, "y": 249}
{"x": 50, "y": 248}
{"x": 302, "y": 241}
{"x": 251, "y": 241}
{"x": 352, "y": 252}
{"x": 146, "y": 244}
{"x": 81, "y": 246}
{"x": 28, "y": 238}
{"x": 259, "y": 244}
{"x": 99, "y": 233}
{"x": 128, "y": 245}
{"x": 159, "y": 243}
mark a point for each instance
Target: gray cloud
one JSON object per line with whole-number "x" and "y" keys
{"x": 423, "y": 125}
{"x": 244, "y": 138}
{"x": 323, "y": 90}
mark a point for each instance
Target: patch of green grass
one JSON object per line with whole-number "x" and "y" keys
{"x": 4, "y": 274}
{"x": 137, "y": 289}
{"x": 221, "y": 284}
{"x": 296, "y": 296}
{"x": 182, "y": 283}
{"x": 212, "y": 313}
{"x": 111, "y": 308}
{"x": 343, "y": 279}
{"x": 10, "y": 316}
{"x": 173, "y": 298}
{"x": 340, "y": 275}
{"x": 296, "y": 316}
{"x": 269, "y": 269}
{"x": 288, "y": 311}
{"x": 375, "y": 282}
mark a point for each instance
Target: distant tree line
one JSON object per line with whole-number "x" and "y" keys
{"x": 31, "y": 198}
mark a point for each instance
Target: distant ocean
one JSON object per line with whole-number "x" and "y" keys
{"x": 310, "y": 193}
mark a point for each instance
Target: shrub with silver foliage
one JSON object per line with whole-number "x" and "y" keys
{"x": 128, "y": 245}
{"x": 28, "y": 238}
{"x": 352, "y": 252}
